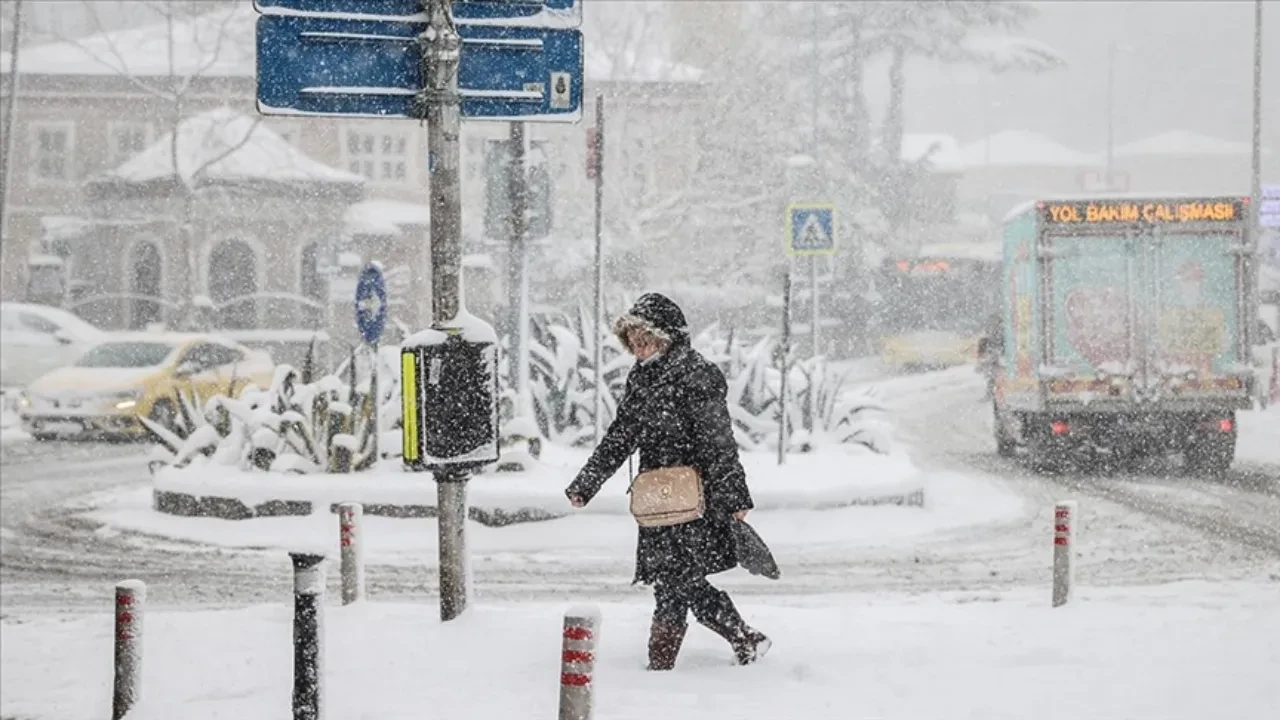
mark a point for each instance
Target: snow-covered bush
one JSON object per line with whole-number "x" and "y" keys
{"x": 562, "y": 381}
{"x": 292, "y": 426}
{"x": 820, "y": 410}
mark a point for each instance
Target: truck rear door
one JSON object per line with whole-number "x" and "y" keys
{"x": 1195, "y": 290}
{"x": 1089, "y": 276}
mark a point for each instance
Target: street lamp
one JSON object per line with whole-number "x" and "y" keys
{"x": 1112, "y": 48}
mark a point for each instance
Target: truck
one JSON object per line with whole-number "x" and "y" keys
{"x": 1124, "y": 327}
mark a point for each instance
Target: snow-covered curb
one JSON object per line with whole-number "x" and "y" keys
{"x": 842, "y": 477}
{"x": 1188, "y": 650}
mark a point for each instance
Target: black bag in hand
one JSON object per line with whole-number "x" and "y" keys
{"x": 753, "y": 555}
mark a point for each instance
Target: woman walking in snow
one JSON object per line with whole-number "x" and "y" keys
{"x": 675, "y": 412}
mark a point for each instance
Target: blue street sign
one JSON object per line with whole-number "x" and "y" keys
{"x": 811, "y": 229}
{"x": 372, "y": 68}
{"x": 509, "y": 13}
{"x": 371, "y": 303}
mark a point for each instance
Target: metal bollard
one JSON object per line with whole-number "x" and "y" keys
{"x": 351, "y": 547}
{"x": 578, "y": 662}
{"x": 1064, "y": 514}
{"x": 131, "y": 595}
{"x": 308, "y": 616}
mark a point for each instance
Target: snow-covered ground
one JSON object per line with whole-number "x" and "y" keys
{"x": 836, "y": 477}
{"x": 1186, "y": 651}
{"x": 954, "y": 501}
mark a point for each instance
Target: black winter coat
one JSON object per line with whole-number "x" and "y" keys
{"x": 675, "y": 411}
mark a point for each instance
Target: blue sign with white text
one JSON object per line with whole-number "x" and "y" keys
{"x": 328, "y": 66}
{"x": 371, "y": 303}
{"x": 811, "y": 229}
{"x": 524, "y": 13}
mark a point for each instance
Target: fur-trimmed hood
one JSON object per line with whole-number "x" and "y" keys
{"x": 658, "y": 315}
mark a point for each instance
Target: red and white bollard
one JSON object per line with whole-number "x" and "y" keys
{"x": 131, "y": 595}
{"x": 578, "y": 662}
{"x": 351, "y": 550}
{"x": 1064, "y": 517}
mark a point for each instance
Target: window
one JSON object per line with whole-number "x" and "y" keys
{"x": 206, "y": 356}
{"x": 52, "y": 145}
{"x": 38, "y": 324}
{"x": 126, "y": 355}
{"x": 127, "y": 140}
{"x": 381, "y": 157}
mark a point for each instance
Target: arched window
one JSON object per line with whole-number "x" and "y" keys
{"x": 311, "y": 285}
{"x": 233, "y": 279}
{"x": 147, "y": 273}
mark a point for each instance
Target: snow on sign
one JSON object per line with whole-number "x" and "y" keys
{"x": 811, "y": 229}
{"x": 324, "y": 65}
{"x": 508, "y": 13}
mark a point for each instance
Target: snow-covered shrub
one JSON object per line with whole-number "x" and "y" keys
{"x": 820, "y": 410}
{"x": 292, "y": 426}
{"x": 562, "y": 381}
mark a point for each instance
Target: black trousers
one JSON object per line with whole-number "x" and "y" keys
{"x": 674, "y": 599}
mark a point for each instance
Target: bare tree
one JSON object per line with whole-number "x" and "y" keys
{"x": 184, "y": 51}
{"x": 650, "y": 164}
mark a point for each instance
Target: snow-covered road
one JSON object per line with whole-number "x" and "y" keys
{"x": 1137, "y": 529}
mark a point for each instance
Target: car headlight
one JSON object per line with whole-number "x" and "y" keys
{"x": 123, "y": 400}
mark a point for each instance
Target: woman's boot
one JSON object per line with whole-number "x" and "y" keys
{"x": 664, "y": 644}
{"x": 723, "y": 619}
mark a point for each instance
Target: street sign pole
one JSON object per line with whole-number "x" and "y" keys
{"x": 444, "y": 126}
{"x": 596, "y": 158}
{"x": 518, "y": 266}
{"x": 784, "y": 365}
{"x": 811, "y": 230}
{"x": 508, "y": 61}
{"x": 1253, "y": 259}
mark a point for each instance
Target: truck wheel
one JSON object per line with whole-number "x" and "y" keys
{"x": 1045, "y": 458}
{"x": 1006, "y": 447}
{"x": 1210, "y": 456}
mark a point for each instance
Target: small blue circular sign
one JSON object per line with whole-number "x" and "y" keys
{"x": 371, "y": 303}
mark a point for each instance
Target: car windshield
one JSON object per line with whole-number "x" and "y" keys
{"x": 125, "y": 355}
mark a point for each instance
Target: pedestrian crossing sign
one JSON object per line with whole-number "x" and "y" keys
{"x": 811, "y": 229}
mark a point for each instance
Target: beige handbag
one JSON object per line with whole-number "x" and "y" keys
{"x": 667, "y": 496}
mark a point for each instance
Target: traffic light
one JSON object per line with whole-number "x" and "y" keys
{"x": 497, "y": 212}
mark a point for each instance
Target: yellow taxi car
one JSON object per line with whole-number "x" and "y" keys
{"x": 134, "y": 375}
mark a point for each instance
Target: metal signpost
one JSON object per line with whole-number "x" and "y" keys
{"x": 811, "y": 231}
{"x": 440, "y": 62}
{"x": 371, "y": 320}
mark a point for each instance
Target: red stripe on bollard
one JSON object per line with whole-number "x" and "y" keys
{"x": 1060, "y": 541}
{"x": 575, "y": 679}
{"x": 577, "y": 633}
{"x": 576, "y": 656}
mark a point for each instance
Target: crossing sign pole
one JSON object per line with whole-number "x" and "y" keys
{"x": 811, "y": 230}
